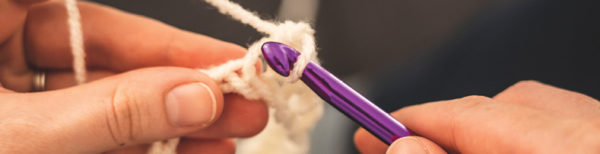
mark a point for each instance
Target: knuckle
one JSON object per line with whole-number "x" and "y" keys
{"x": 470, "y": 104}
{"x": 526, "y": 84}
{"x": 473, "y": 103}
{"x": 519, "y": 89}
{"x": 123, "y": 115}
{"x": 475, "y": 99}
{"x": 171, "y": 49}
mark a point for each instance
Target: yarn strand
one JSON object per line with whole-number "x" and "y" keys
{"x": 293, "y": 108}
{"x": 76, "y": 39}
{"x": 244, "y": 16}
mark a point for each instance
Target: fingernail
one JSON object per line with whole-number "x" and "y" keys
{"x": 191, "y": 104}
{"x": 406, "y": 146}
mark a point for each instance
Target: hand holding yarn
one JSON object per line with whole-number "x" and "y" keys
{"x": 141, "y": 86}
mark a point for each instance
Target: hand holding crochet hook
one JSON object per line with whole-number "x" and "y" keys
{"x": 142, "y": 89}
{"x": 456, "y": 124}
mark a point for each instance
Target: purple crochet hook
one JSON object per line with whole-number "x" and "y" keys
{"x": 282, "y": 58}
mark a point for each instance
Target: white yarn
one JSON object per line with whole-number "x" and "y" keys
{"x": 289, "y": 126}
{"x": 76, "y": 39}
{"x": 294, "y": 108}
{"x": 165, "y": 147}
{"x": 298, "y": 35}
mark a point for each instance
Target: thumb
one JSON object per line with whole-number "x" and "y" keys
{"x": 414, "y": 145}
{"x": 136, "y": 107}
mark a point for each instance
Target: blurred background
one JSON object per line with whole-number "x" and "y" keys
{"x": 407, "y": 52}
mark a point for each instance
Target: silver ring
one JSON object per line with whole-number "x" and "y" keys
{"x": 38, "y": 81}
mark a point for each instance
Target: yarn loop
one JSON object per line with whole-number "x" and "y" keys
{"x": 294, "y": 108}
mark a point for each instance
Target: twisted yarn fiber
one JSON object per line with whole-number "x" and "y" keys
{"x": 294, "y": 108}
{"x": 76, "y": 40}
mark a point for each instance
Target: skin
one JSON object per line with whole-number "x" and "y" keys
{"x": 126, "y": 53}
{"x": 528, "y": 117}
{"x": 132, "y": 62}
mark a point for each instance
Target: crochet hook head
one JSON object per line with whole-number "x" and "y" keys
{"x": 282, "y": 58}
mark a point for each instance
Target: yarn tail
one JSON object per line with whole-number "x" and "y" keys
{"x": 76, "y": 39}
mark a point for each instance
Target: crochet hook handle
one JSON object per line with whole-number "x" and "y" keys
{"x": 282, "y": 58}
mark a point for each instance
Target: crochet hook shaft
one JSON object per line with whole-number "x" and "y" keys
{"x": 281, "y": 58}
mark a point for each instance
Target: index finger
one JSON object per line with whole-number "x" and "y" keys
{"x": 119, "y": 41}
{"x": 478, "y": 124}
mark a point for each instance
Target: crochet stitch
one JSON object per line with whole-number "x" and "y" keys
{"x": 294, "y": 108}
